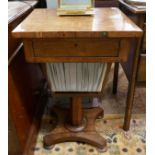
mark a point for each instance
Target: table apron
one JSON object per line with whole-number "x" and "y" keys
{"x": 77, "y": 50}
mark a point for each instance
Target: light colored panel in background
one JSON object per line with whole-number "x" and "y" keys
{"x": 51, "y": 3}
{"x": 75, "y": 2}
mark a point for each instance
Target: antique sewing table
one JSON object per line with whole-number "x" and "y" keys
{"x": 104, "y": 37}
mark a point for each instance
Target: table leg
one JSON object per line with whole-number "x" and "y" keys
{"x": 115, "y": 77}
{"x": 131, "y": 86}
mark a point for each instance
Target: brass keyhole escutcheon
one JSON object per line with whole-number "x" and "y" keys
{"x": 104, "y": 34}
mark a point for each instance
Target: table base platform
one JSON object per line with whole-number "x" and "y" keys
{"x": 65, "y": 132}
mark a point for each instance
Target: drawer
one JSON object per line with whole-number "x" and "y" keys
{"x": 77, "y": 50}
{"x": 141, "y": 75}
{"x": 75, "y": 47}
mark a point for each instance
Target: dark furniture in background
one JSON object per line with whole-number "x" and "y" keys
{"x": 106, "y": 3}
{"x": 139, "y": 17}
{"x": 40, "y": 3}
{"x": 23, "y": 78}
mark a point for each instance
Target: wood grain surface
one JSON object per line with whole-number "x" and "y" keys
{"x": 106, "y": 22}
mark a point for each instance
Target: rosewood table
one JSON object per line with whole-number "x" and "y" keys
{"x": 104, "y": 37}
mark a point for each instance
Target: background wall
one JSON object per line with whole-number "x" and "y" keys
{"x": 51, "y": 3}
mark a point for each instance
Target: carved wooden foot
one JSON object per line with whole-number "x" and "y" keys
{"x": 88, "y": 135}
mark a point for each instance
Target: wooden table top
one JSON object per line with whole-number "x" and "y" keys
{"x": 133, "y": 8}
{"x": 17, "y": 8}
{"x": 109, "y": 22}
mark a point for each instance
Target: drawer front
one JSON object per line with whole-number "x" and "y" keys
{"x": 141, "y": 75}
{"x": 75, "y": 47}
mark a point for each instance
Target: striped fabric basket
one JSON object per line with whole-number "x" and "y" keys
{"x": 76, "y": 77}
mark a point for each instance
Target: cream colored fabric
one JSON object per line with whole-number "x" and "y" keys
{"x": 76, "y": 77}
